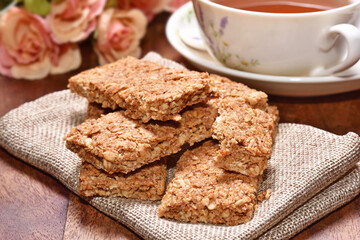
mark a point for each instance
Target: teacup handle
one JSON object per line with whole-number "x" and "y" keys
{"x": 351, "y": 35}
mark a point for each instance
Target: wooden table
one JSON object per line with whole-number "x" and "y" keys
{"x": 33, "y": 205}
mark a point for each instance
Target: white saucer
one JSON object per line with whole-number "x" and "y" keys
{"x": 184, "y": 18}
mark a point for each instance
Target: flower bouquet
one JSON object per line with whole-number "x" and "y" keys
{"x": 40, "y": 37}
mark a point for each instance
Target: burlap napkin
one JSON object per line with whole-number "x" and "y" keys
{"x": 311, "y": 172}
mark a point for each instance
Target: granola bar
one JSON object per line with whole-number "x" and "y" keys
{"x": 246, "y": 136}
{"x": 198, "y": 119}
{"x": 146, "y": 183}
{"x": 203, "y": 192}
{"x": 224, "y": 88}
{"x": 116, "y": 143}
{"x": 144, "y": 89}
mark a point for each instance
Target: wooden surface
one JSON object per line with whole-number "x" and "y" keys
{"x": 33, "y": 205}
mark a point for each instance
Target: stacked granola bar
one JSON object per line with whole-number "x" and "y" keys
{"x": 218, "y": 181}
{"x": 140, "y": 112}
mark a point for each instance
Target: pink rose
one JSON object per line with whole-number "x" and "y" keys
{"x": 149, "y": 7}
{"x": 119, "y": 33}
{"x": 73, "y": 20}
{"x": 27, "y": 50}
{"x": 175, "y": 4}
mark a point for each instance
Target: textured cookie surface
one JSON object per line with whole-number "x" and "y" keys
{"x": 246, "y": 136}
{"x": 201, "y": 191}
{"x": 147, "y": 183}
{"x": 144, "y": 89}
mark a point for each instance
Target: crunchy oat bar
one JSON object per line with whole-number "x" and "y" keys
{"x": 246, "y": 136}
{"x": 146, "y": 183}
{"x": 224, "y": 88}
{"x": 203, "y": 192}
{"x": 274, "y": 113}
{"x": 144, "y": 89}
{"x": 116, "y": 143}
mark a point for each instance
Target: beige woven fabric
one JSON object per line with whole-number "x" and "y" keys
{"x": 311, "y": 173}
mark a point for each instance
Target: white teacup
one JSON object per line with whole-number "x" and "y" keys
{"x": 290, "y": 44}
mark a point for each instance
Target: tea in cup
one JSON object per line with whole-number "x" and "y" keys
{"x": 290, "y": 38}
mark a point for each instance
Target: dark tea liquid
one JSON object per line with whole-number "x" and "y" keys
{"x": 292, "y": 6}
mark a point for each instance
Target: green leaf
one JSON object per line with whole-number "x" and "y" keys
{"x": 111, "y": 4}
{"x": 96, "y": 34}
{"x": 4, "y": 3}
{"x": 40, "y": 7}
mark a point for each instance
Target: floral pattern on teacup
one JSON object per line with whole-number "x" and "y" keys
{"x": 189, "y": 17}
{"x": 214, "y": 34}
